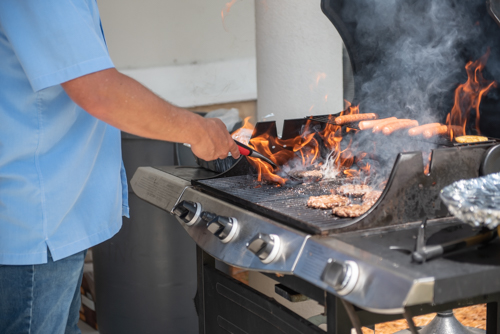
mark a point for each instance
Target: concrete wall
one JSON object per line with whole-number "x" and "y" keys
{"x": 156, "y": 33}
{"x": 182, "y": 49}
{"x": 186, "y": 53}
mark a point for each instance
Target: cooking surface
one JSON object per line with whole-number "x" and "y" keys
{"x": 287, "y": 204}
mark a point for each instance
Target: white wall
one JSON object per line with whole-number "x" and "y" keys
{"x": 153, "y": 33}
{"x": 182, "y": 50}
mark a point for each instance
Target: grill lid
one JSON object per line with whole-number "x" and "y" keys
{"x": 408, "y": 56}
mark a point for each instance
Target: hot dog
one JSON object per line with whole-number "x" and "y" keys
{"x": 420, "y": 129}
{"x": 457, "y": 130}
{"x": 382, "y": 124}
{"x": 441, "y": 130}
{"x": 364, "y": 125}
{"x": 399, "y": 125}
{"x": 354, "y": 118}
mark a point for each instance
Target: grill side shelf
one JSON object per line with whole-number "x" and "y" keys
{"x": 158, "y": 188}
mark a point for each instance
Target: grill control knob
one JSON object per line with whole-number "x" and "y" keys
{"x": 341, "y": 276}
{"x": 224, "y": 228}
{"x": 188, "y": 212}
{"x": 265, "y": 246}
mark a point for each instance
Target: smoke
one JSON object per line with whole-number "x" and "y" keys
{"x": 411, "y": 54}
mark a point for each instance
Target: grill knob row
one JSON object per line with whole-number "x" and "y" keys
{"x": 342, "y": 276}
{"x": 224, "y": 228}
{"x": 188, "y": 212}
{"x": 265, "y": 246}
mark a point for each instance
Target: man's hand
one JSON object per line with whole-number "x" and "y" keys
{"x": 129, "y": 106}
{"x": 214, "y": 142}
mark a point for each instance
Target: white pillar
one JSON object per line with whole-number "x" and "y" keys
{"x": 299, "y": 60}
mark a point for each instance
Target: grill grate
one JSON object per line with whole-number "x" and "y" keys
{"x": 285, "y": 204}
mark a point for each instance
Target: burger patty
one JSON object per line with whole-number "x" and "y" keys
{"x": 356, "y": 210}
{"x": 327, "y": 201}
{"x": 351, "y": 211}
{"x": 372, "y": 196}
{"x": 354, "y": 190}
{"x": 307, "y": 174}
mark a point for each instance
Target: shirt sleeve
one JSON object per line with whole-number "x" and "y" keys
{"x": 55, "y": 41}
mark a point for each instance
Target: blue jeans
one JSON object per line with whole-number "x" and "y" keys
{"x": 43, "y": 298}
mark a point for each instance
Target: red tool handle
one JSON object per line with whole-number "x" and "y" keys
{"x": 244, "y": 151}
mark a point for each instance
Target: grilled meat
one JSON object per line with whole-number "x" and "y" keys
{"x": 351, "y": 211}
{"x": 354, "y": 190}
{"x": 356, "y": 210}
{"x": 354, "y": 118}
{"x": 372, "y": 196}
{"x": 307, "y": 174}
{"x": 436, "y": 131}
{"x": 327, "y": 201}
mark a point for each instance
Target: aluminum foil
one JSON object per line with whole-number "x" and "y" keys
{"x": 475, "y": 201}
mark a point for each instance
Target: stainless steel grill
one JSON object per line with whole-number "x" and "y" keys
{"x": 360, "y": 268}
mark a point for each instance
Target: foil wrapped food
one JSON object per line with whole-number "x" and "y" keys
{"x": 475, "y": 201}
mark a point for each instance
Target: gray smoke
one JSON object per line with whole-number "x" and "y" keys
{"x": 414, "y": 53}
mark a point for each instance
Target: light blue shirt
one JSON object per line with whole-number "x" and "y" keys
{"x": 62, "y": 182}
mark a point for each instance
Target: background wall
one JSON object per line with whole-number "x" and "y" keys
{"x": 188, "y": 54}
{"x": 155, "y": 33}
{"x": 183, "y": 50}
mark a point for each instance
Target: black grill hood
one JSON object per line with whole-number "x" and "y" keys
{"x": 375, "y": 31}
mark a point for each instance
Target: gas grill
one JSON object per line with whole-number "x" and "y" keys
{"x": 263, "y": 227}
{"x": 359, "y": 268}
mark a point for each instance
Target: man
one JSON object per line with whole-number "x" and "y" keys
{"x": 62, "y": 182}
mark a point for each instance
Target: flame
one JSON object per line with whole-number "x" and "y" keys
{"x": 319, "y": 77}
{"x": 349, "y": 109}
{"x": 228, "y": 9}
{"x": 328, "y": 148}
{"x": 468, "y": 97}
{"x": 264, "y": 3}
{"x": 244, "y": 133}
{"x": 338, "y": 159}
{"x": 427, "y": 168}
{"x": 305, "y": 149}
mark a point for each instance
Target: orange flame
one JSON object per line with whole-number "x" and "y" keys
{"x": 427, "y": 168}
{"x": 349, "y": 109}
{"x": 306, "y": 147}
{"x": 319, "y": 76}
{"x": 244, "y": 133}
{"x": 228, "y": 8}
{"x": 468, "y": 97}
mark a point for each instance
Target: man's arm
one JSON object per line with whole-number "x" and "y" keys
{"x": 129, "y": 106}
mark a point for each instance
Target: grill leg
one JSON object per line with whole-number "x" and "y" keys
{"x": 202, "y": 261}
{"x": 337, "y": 318}
{"x": 492, "y": 318}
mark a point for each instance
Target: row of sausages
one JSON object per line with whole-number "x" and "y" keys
{"x": 392, "y": 124}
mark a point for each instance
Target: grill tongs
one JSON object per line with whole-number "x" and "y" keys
{"x": 250, "y": 152}
{"x": 423, "y": 252}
